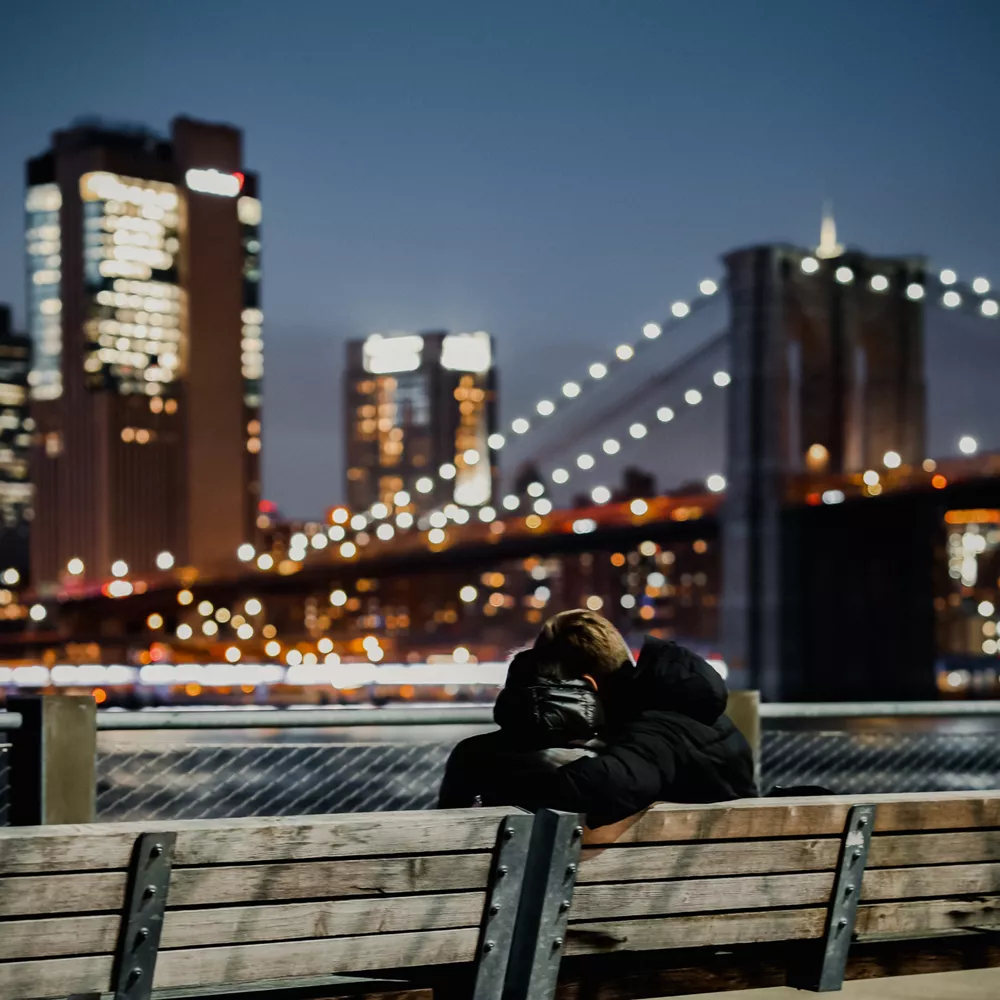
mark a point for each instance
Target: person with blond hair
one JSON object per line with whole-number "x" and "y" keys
{"x": 666, "y": 735}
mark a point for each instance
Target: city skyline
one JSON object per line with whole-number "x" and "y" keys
{"x": 557, "y": 180}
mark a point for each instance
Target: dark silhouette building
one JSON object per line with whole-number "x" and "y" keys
{"x": 827, "y": 378}
{"x": 16, "y": 427}
{"x": 144, "y": 311}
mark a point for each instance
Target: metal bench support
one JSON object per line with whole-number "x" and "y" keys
{"x": 502, "y": 896}
{"x": 844, "y": 899}
{"x": 541, "y": 920}
{"x": 142, "y": 921}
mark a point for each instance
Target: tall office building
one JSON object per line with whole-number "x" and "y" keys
{"x": 144, "y": 310}
{"x": 420, "y": 410}
{"x": 16, "y": 426}
{"x": 827, "y": 365}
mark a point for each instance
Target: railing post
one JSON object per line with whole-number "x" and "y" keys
{"x": 743, "y": 708}
{"x": 53, "y": 760}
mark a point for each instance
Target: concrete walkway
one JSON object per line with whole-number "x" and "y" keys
{"x": 978, "y": 984}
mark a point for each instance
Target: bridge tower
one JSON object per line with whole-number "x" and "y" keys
{"x": 827, "y": 365}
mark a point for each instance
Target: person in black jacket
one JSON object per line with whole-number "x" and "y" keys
{"x": 546, "y": 719}
{"x": 668, "y": 738}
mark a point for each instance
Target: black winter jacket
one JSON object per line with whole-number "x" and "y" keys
{"x": 543, "y": 725}
{"x": 668, "y": 740}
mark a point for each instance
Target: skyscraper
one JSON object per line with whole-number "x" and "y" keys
{"x": 420, "y": 410}
{"x": 16, "y": 426}
{"x": 143, "y": 307}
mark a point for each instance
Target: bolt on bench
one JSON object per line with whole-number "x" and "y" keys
{"x": 680, "y": 899}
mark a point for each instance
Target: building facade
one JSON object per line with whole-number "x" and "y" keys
{"x": 144, "y": 312}
{"x": 16, "y": 427}
{"x": 420, "y": 411}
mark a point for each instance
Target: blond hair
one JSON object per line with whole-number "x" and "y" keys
{"x": 583, "y": 642}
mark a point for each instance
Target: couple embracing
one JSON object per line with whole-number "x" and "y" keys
{"x": 586, "y": 729}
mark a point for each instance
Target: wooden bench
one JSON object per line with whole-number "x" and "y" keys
{"x": 681, "y": 899}
{"x": 805, "y": 892}
{"x": 287, "y": 902}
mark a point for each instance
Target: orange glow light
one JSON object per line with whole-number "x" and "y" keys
{"x": 192, "y": 689}
{"x": 100, "y": 696}
{"x": 939, "y": 482}
{"x": 407, "y": 691}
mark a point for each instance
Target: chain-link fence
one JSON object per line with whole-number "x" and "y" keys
{"x": 232, "y": 779}
{"x": 282, "y": 779}
{"x": 175, "y": 780}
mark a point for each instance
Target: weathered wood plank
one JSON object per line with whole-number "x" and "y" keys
{"x": 704, "y": 930}
{"x": 105, "y": 846}
{"x": 72, "y": 935}
{"x": 244, "y": 963}
{"x": 26, "y": 895}
{"x": 708, "y": 858}
{"x": 635, "y": 899}
{"x": 55, "y": 936}
{"x": 901, "y": 850}
{"x": 925, "y": 916}
{"x": 804, "y": 817}
{"x": 644, "y": 863}
{"x": 938, "y": 880}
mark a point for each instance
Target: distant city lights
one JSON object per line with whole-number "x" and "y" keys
{"x": 424, "y": 484}
{"x": 637, "y": 430}
{"x": 948, "y": 276}
{"x": 810, "y": 265}
{"x": 624, "y": 352}
{"x": 600, "y": 494}
{"x": 892, "y": 460}
{"x": 165, "y": 561}
{"x": 265, "y": 561}
{"x": 879, "y": 282}
{"x": 611, "y": 447}
{"x": 542, "y": 506}
{"x": 545, "y": 407}
{"x": 833, "y": 496}
{"x": 585, "y": 461}
{"x": 721, "y": 379}
{"x": 692, "y": 397}
{"x": 951, "y": 299}
{"x": 915, "y": 291}
{"x": 680, "y": 309}
{"x": 652, "y": 330}
{"x": 716, "y": 483}
{"x": 560, "y": 476}
{"x": 535, "y": 489}
{"x": 986, "y": 609}
{"x": 707, "y": 287}
{"x": 37, "y": 613}
{"x": 664, "y": 414}
{"x": 968, "y": 445}
{"x": 598, "y": 370}
{"x": 468, "y": 594}
{"x": 496, "y": 441}
{"x": 989, "y": 307}
{"x": 448, "y": 471}
{"x": 870, "y": 478}
{"x": 511, "y": 502}
{"x": 844, "y": 275}
{"x": 520, "y": 426}
{"x": 245, "y": 552}
{"x": 75, "y": 567}
{"x": 118, "y": 568}
{"x": 980, "y": 286}
{"x": 638, "y": 507}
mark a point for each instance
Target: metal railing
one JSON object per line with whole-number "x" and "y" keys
{"x": 161, "y": 764}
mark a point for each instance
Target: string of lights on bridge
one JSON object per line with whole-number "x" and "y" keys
{"x": 351, "y": 531}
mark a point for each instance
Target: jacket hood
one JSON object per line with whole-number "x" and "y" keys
{"x": 547, "y": 713}
{"x": 670, "y": 678}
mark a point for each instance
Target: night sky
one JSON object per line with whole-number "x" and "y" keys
{"x": 554, "y": 171}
